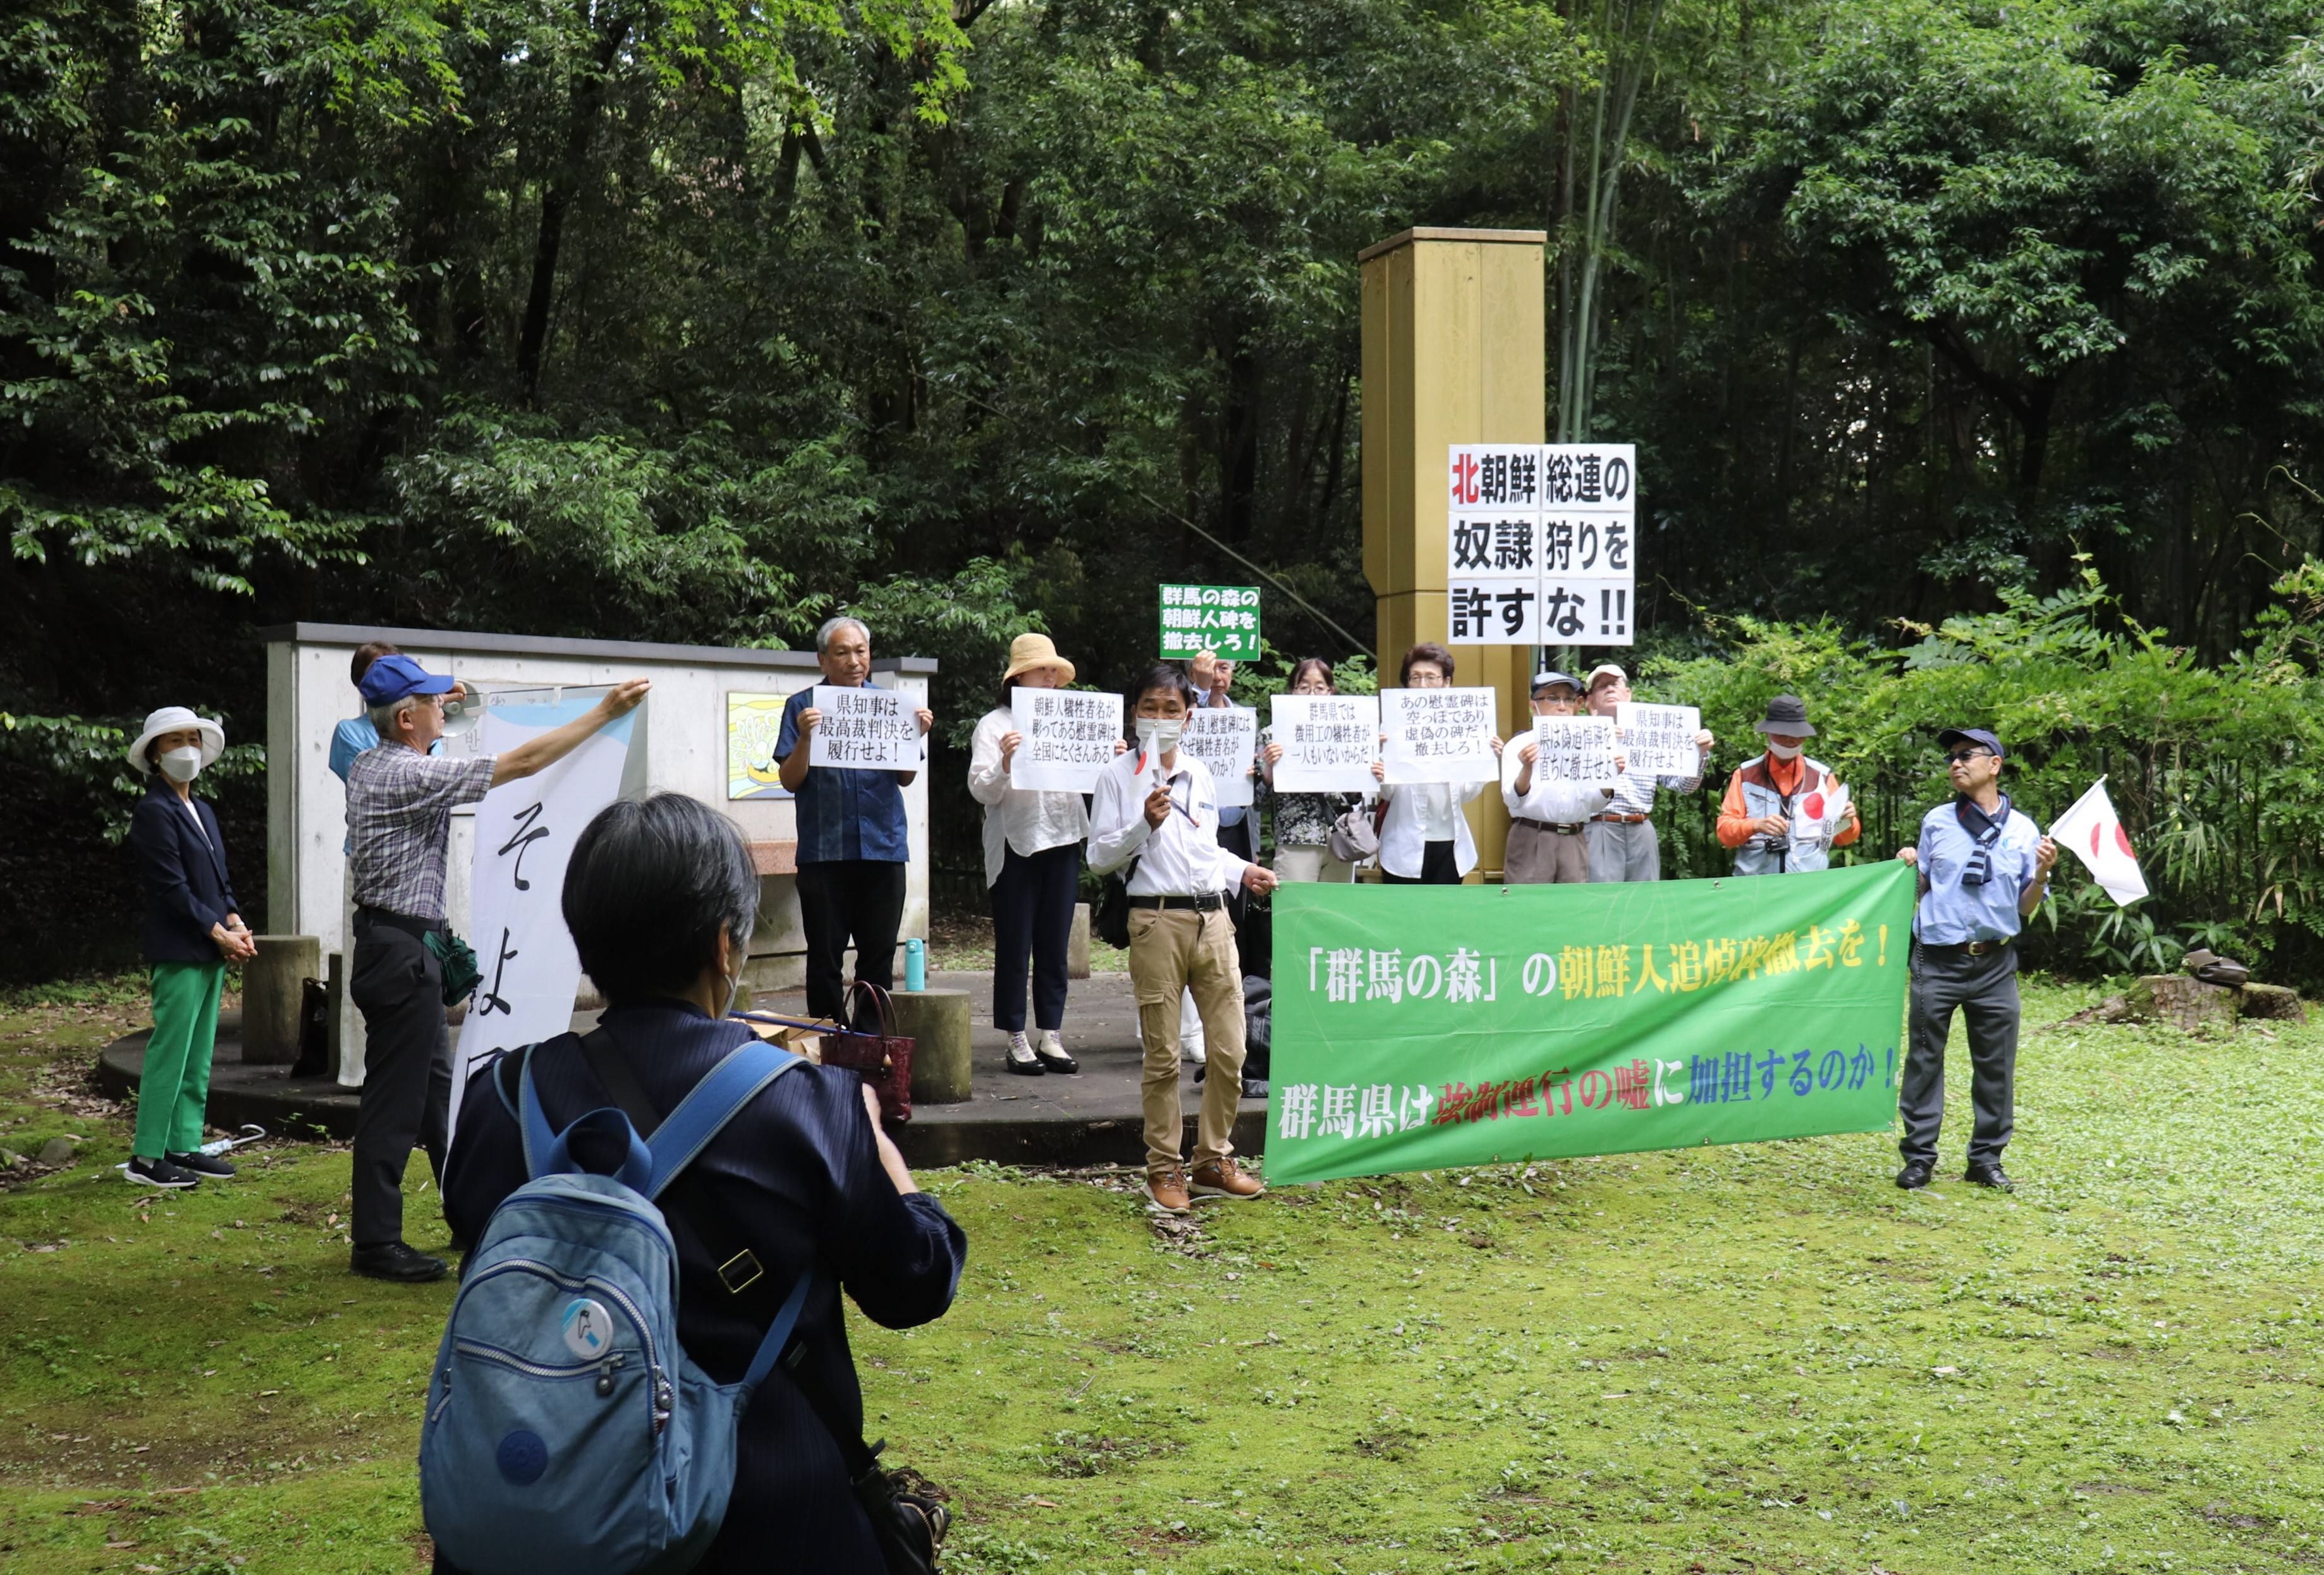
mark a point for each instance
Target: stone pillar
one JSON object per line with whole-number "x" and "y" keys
{"x": 272, "y": 985}
{"x": 936, "y": 1022}
{"x": 1077, "y": 946}
{"x": 1452, "y": 353}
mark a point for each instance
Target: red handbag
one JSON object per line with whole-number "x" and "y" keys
{"x": 882, "y": 1059}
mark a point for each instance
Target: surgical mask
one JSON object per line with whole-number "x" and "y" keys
{"x": 1159, "y": 734}
{"x": 181, "y": 765}
{"x": 1784, "y": 751}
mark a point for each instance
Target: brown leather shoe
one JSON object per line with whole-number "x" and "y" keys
{"x": 1166, "y": 1192}
{"x": 1224, "y": 1178}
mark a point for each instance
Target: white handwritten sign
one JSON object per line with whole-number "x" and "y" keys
{"x": 1660, "y": 738}
{"x": 1225, "y": 739}
{"x": 1069, "y": 736}
{"x": 525, "y": 831}
{"x": 1573, "y": 748}
{"x": 865, "y": 730}
{"x": 1438, "y": 735}
{"x": 1328, "y": 743}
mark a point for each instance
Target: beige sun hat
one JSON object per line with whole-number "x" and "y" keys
{"x": 176, "y": 719}
{"x": 1028, "y": 651}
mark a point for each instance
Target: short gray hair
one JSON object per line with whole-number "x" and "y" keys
{"x": 383, "y": 717}
{"x": 830, "y": 627}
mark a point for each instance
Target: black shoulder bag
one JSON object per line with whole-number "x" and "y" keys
{"x": 908, "y": 1525}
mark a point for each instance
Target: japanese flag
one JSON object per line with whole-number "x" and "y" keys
{"x": 2094, "y": 832}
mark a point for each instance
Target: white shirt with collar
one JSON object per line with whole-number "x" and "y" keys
{"x": 1030, "y": 822}
{"x": 1554, "y": 802}
{"x": 1420, "y": 813}
{"x": 1179, "y": 858}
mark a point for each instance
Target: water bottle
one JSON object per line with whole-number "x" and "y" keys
{"x": 915, "y": 963}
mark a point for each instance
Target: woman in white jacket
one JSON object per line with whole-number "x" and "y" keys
{"x": 1033, "y": 865}
{"x": 1425, "y": 839}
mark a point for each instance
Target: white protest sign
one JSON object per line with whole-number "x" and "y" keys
{"x": 1540, "y": 543}
{"x": 1069, "y": 736}
{"x": 525, "y": 832}
{"x": 1438, "y": 735}
{"x": 1573, "y": 748}
{"x": 1328, "y": 743}
{"x": 865, "y": 730}
{"x": 1817, "y": 817}
{"x": 1225, "y": 739}
{"x": 1659, "y": 740}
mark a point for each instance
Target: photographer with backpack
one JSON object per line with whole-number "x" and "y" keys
{"x": 560, "y": 1404}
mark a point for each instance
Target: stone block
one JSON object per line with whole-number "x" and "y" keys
{"x": 938, "y": 1023}
{"x": 2180, "y": 1002}
{"x": 273, "y": 986}
{"x": 1077, "y": 947}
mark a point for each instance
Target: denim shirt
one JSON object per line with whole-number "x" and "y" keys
{"x": 844, "y": 813}
{"x": 1951, "y": 913}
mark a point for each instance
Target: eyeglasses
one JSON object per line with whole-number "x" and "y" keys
{"x": 1959, "y": 756}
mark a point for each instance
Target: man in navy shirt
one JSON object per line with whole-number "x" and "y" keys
{"x": 851, "y": 838}
{"x": 1984, "y": 869}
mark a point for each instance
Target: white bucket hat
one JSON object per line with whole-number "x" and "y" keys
{"x": 177, "y": 719}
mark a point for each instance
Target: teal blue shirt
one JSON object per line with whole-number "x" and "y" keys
{"x": 1951, "y": 913}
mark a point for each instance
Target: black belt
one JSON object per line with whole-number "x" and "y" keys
{"x": 1567, "y": 831}
{"x": 419, "y": 928}
{"x": 1967, "y": 948}
{"x": 1208, "y": 902}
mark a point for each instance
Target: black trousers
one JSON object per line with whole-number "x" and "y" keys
{"x": 845, "y": 899}
{"x": 1440, "y": 865}
{"x": 398, "y": 985}
{"x": 1033, "y": 919}
{"x": 1984, "y": 989}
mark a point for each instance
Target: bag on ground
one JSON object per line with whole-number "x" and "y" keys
{"x": 565, "y": 1428}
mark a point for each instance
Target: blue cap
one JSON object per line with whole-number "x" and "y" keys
{"x": 1976, "y": 735}
{"x": 393, "y": 677}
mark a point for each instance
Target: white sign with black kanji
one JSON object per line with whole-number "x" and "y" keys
{"x": 1541, "y": 543}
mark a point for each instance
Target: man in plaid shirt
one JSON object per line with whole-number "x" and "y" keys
{"x": 400, "y": 803}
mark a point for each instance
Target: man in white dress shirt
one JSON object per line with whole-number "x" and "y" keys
{"x": 1155, "y": 811}
{"x": 1622, "y": 841}
{"x": 1547, "y": 815}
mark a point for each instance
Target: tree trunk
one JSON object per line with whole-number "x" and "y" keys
{"x": 587, "y": 98}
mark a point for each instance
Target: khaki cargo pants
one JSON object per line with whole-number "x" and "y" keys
{"x": 1173, "y": 951}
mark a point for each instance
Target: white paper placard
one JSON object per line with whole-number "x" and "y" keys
{"x": 1660, "y": 738}
{"x": 865, "y": 730}
{"x": 1541, "y": 543}
{"x": 1438, "y": 735}
{"x": 1069, "y": 736}
{"x": 1328, "y": 743}
{"x": 1225, "y": 739}
{"x": 1573, "y": 748}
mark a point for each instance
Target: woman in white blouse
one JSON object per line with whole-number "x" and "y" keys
{"x": 1033, "y": 865}
{"x": 1425, "y": 839}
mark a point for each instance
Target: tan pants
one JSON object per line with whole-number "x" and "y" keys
{"x": 1171, "y": 951}
{"x": 1294, "y": 863}
{"x": 1537, "y": 856}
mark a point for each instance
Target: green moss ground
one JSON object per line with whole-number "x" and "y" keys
{"x": 1725, "y": 1359}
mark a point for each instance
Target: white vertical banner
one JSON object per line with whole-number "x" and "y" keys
{"x": 525, "y": 831}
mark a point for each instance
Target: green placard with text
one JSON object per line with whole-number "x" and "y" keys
{"x": 1418, "y": 1028}
{"x": 1223, "y": 619}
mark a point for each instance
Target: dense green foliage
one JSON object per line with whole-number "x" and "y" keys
{"x": 1754, "y": 1357}
{"x": 689, "y": 320}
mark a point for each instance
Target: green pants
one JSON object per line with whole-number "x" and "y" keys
{"x": 175, "y": 1084}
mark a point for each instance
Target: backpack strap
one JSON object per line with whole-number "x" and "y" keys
{"x": 713, "y": 1101}
{"x": 548, "y": 1152}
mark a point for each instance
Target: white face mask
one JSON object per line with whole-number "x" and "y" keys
{"x": 1784, "y": 751}
{"x": 1159, "y": 734}
{"x": 181, "y": 765}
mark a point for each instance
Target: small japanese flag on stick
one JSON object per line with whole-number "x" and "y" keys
{"x": 2094, "y": 832}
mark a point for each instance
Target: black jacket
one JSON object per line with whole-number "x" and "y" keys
{"x": 796, "y": 1173}
{"x": 183, "y": 872}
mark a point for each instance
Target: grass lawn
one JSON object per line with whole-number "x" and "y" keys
{"x": 1723, "y": 1360}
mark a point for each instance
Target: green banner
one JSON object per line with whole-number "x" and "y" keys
{"x": 1423, "y": 1026}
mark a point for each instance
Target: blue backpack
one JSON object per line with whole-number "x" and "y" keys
{"x": 566, "y": 1427}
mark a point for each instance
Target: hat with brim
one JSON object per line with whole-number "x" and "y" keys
{"x": 1606, "y": 670}
{"x": 1788, "y": 717}
{"x": 1548, "y": 680}
{"x": 177, "y": 719}
{"x": 1028, "y": 651}
{"x": 1976, "y": 735}
{"x": 396, "y": 676}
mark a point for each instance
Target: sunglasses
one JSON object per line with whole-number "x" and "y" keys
{"x": 1957, "y": 756}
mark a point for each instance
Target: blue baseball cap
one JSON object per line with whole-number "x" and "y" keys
{"x": 394, "y": 678}
{"x": 1976, "y": 735}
